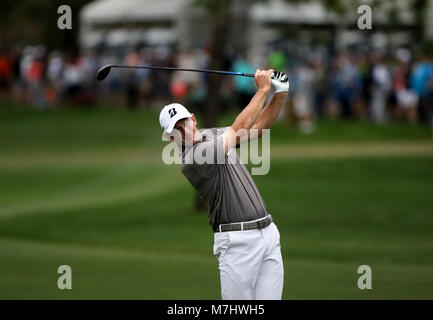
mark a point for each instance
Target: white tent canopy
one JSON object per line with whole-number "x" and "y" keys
{"x": 123, "y": 22}
{"x": 114, "y": 11}
{"x": 315, "y": 12}
{"x": 280, "y": 11}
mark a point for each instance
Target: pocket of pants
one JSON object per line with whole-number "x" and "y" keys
{"x": 221, "y": 243}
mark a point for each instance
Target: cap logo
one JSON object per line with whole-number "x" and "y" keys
{"x": 172, "y": 112}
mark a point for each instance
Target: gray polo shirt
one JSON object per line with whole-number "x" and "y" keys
{"x": 226, "y": 186}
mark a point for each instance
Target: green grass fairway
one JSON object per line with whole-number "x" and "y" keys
{"x": 88, "y": 189}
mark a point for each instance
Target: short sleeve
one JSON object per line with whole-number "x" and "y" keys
{"x": 222, "y": 130}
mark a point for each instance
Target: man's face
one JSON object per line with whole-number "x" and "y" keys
{"x": 186, "y": 131}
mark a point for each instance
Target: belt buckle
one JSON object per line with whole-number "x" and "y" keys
{"x": 262, "y": 223}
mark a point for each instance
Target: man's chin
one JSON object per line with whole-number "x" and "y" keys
{"x": 189, "y": 143}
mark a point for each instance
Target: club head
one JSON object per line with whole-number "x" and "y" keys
{"x": 103, "y": 72}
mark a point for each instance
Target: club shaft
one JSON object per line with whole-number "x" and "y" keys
{"x": 243, "y": 74}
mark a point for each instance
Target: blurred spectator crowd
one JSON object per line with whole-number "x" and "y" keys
{"x": 349, "y": 84}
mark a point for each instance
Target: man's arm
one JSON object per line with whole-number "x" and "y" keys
{"x": 270, "y": 113}
{"x": 248, "y": 117}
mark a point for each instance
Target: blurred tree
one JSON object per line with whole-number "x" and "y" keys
{"x": 221, "y": 20}
{"x": 419, "y": 8}
{"x": 219, "y": 17}
{"x": 218, "y": 12}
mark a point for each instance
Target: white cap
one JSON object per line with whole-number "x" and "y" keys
{"x": 171, "y": 114}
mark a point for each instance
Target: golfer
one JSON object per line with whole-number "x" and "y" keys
{"x": 246, "y": 240}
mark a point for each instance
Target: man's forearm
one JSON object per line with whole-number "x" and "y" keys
{"x": 248, "y": 117}
{"x": 270, "y": 113}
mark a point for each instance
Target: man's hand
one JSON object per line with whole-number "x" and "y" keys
{"x": 263, "y": 79}
{"x": 280, "y": 81}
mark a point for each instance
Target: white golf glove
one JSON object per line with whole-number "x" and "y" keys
{"x": 280, "y": 82}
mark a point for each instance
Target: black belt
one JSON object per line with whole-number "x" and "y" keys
{"x": 238, "y": 226}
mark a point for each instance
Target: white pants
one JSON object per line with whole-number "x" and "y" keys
{"x": 250, "y": 264}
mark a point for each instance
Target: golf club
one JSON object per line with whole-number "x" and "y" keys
{"x": 105, "y": 71}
